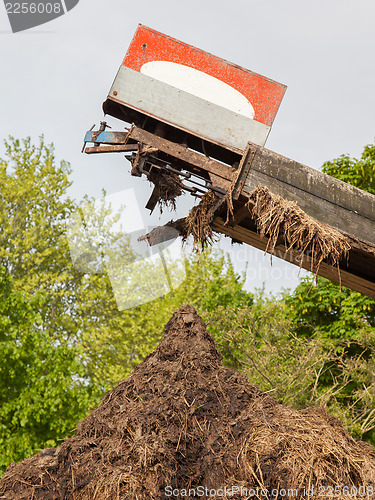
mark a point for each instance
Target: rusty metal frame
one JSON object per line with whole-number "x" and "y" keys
{"x": 220, "y": 177}
{"x": 191, "y": 160}
{"x": 244, "y": 169}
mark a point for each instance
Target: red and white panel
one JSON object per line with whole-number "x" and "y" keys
{"x": 196, "y": 91}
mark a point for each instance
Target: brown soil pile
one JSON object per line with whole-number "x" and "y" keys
{"x": 182, "y": 420}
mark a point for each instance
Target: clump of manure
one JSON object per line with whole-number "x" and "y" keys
{"x": 278, "y": 218}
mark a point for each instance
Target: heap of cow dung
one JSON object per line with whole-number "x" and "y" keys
{"x": 182, "y": 421}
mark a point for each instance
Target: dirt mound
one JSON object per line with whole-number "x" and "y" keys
{"x": 183, "y": 421}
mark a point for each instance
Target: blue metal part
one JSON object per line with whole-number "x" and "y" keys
{"x": 105, "y": 137}
{"x": 107, "y": 142}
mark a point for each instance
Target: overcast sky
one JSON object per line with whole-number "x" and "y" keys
{"x": 54, "y": 79}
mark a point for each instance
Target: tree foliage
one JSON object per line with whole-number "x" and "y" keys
{"x": 344, "y": 321}
{"x": 42, "y": 391}
{"x": 44, "y": 387}
{"x": 260, "y": 340}
{"x": 63, "y": 338}
{"x": 358, "y": 172}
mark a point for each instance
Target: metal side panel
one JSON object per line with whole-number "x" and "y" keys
{"x": 186, "y": 111}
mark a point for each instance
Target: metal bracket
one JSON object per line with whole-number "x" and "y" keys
{"x": 108, "y": 142}
{"x": 103, "y": 126}
{"x": 244, "y": 169}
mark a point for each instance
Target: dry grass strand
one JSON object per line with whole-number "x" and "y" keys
{"x": 278, "y": 218}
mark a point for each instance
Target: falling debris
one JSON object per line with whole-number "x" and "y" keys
{"x": 199, "y": 221}
{"x": 168, "y": 188}
{"x": 183, "y": 421}
{"x": 197, "y": 224}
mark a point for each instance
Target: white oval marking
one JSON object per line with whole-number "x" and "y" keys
{"x": 199, "y": 84}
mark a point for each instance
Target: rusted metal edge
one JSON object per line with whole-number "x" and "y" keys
{"x": 244, "y": 169}
{"x": 111, "y": 149}
{"x": 182, "y": 153}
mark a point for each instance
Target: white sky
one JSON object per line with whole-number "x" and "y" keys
{"x": 54, "y": 78}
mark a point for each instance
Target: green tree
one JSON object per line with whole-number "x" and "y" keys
{"x": 33, "y": 212}
{"x": 261, "y": 341}
{"x": 358, "y": 172}
{"x": 344, "y": 321}
{"x": 42, "y": 391}
{"x": 64, "y": 339}
{"x": 44, "y": 386}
